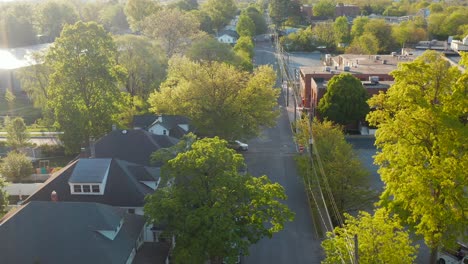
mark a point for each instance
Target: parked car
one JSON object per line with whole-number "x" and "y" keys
{"x": 237, "y": 145}
{"x": 448, "y": 256}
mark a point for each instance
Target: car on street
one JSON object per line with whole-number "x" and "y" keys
{"x": 238, "y": 145}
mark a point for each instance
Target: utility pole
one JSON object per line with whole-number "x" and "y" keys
{"x": 356, "y": 256}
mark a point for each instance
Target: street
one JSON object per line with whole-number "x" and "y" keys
{"x": 273, "y": 154}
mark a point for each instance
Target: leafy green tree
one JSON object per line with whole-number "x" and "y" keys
{"x": 3, "y": 197}
{"x": 381, "y": 239}
{"x": 325, "y": 35}
{"x": 16, "y": 26}
{"x": 185, "y": 5}
{"x": 83, "y": 86}
{"x": 422, "y": 137}
{"x": 220, "y": 12}
{"x": 324, "y": 8}
{"x": 16, "y": 166}
{"x": 357, "y": 29}
{"x": 214, "y": 212}
{"x": 245, "y": 26}
{"x": 144, "y": 62}
{"x": 17, "y": 137}
{"x": 128, "y": 107}
{"x": 204, "y": 20}
{"x": 347, "y": 178}
{"x": 383, "y": 32}
{"x": 245, "y": 44}
{"x": 435, "y": 8}
{"x": 408, "y": 32}
{"x": 341, "y": 29}
{"x": 258, "y": 19}
{"x": 35, "y": 80}
{"x": 138, "y": 10}
{"x": 345, "y": 100}
{"x": 364, "y": 44}
{"x": 243, "y": 60}
{"x": 454, "y": 21}
{"x": 54, "y": 15}
{"x": 303, "y": 40}
{"x": 174, "y": 29}
{"x": 278, "y": 11}
{"x": 210, "y": 49}
{"x": 219, "y": 99}
{"x": 113, "y": 18}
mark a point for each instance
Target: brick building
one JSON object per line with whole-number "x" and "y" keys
{"x": 372, "y": 70}
{"x": 347, "y": 10}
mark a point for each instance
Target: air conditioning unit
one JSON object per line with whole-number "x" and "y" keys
{"x": 374, "y": 79}
{"x": 346, "y": 68}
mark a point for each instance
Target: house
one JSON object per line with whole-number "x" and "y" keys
{"x": 131, "y": 145}
{"x": 458, "y": 45}
{"x": 228, "y": 36}
{"x": 102, "y": 180}
{"x": 168, "y": 125}
{"x": 71, "y": 232}
{"x": 108, "y": 181}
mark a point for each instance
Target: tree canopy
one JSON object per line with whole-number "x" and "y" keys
{"x": 210, "y": 49}
{"x": 16, "y": 25}
{"x": 219, "y": 99}
{"x": 83, "y": 86}
{"x": 16, "y": 137}
{"x": 278, "y": 11}
{"x": 54, "y": 15}
{"x": 139, "y": 10}
{"x": 3, "y": 197}
{"x": 345, "y": 174}
{"x": 381, "y": 239}
{"x": 16, "y": 166}
{"x": 144, "y": 62}
{"x": 245, "y": 26}
{"x": 220, "y": 12}
{"x": 213, "y": 211}
{"x": 344, "y": 101}
{"x": 174, "y": 29}
{"x": 423, "y": 157}
{"x": 324, "y": 8}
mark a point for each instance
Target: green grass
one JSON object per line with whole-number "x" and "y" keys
{"x": 20, "y": 106}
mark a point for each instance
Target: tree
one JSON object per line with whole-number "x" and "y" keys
{"x": 381, "y": 239}
{"x": 278, "y": 11}
{"x": 210, "y": 49}
{"x": 357, "y": 29}
{"x": 219, "y": 99}
{"x": 344, "y": 174}
{"x": 3, "y": 197}
{"x": 341, "y": 29}
{"x": 16, "y": 26}
{"x": 185, "y": 5}
{"x": 345, "y": 100}
{"x": 214, "y": 212}
{"x": 422, "y": 137}
{"x": 383, "y": 32}
{"x": 325, "y": 35}
{"x": 17, "y": 137}
{"x": 220, "y": 12}
{"x": 144, "y": 62}
{"x": 113, "y": 18}
{"x": 173, "y": 28}
{"x": 245, "y": 26}
{"x": 54, "y": 15}
{"x": 15, "y": 166}
{"x": 408, "y": 32}
{"x": 83, "y": 86}
{"x": 325, "y": 8}
{"x": 258, "y": 19}
{"x": 303, "y": 40}
{"x": 204, "y": 20}
{"x": 245, "y": 44}
{"x": 364, "y": 44}
{"x": 138, "y": 10}
{"x": 35, "y": 80}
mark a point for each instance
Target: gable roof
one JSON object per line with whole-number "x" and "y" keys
{"x": 48, "y": 232}
{"x": 131, "y": 145}
{"x": 228, "y": 32}
{"x": 168, "y": 121}
{"x": 90, "y": 171}
{"x": 124, "y": 186}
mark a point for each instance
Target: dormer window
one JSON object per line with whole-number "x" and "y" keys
{"x": 89, "y": 177}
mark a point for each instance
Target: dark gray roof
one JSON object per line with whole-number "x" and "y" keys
{"x": 143, "y": 121}
{"x": 123, "y": 186}
{"x": 152, "y": 253}
{"x": 67, "y": 232}
{"x": 168, "y": 121}
{"x": 133, "y": 145}
{"x": 90, "y": 171}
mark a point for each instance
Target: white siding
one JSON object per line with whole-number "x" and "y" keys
{"x": 157, "y": 129}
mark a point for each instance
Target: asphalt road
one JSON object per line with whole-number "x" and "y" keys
{"x": 272, "y": 154}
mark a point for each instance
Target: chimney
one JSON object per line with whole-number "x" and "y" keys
{"x": 54, "y": 196}
{"x": 83, "y": 153}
